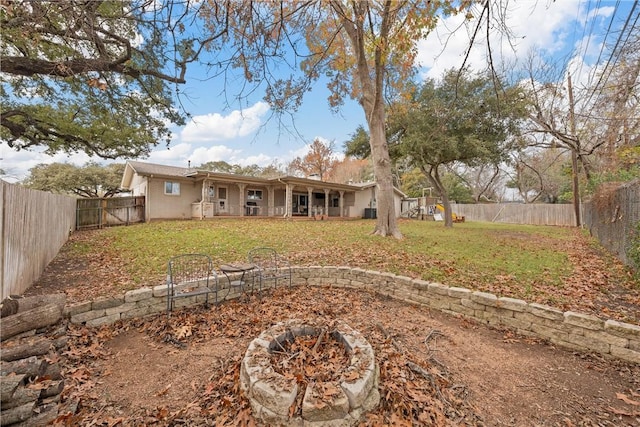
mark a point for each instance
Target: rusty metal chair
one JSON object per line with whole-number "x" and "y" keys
{"x": 270, "y": 266}
{"x": 189, "y": 276}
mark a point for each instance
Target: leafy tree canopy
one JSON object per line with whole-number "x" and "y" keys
{"x": 350, "y": 170}
{"x": 461, "y": 118}
{"x": 270, "y": 171}
{"x": 358, "y": 145}
{"x": 416, "y": 184}
{"x": 412, "y": 182}
{"x": 90, "y": 76}
{"x": 90, "y": 180}
{"x": 319, "y": 160}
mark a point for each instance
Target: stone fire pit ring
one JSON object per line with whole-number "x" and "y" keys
{"x": 271, "y": 394}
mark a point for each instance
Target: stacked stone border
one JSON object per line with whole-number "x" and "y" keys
{"x": 576, "y": 331}
{"x": 271, "y": 394}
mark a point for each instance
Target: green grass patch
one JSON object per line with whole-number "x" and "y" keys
{"x": 466, "y": 255}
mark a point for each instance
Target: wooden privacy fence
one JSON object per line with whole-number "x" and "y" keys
{"x": 518, "y": 213}
{"x": 33, "y": 227}
{"x": 107, "y": 212}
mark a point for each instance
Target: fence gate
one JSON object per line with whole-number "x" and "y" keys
{"x": 107, "y": 212}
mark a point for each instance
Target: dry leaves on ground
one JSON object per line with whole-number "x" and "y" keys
{"x": 152, "y": 372}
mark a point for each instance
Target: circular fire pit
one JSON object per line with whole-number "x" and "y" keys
{"x": 336, "y": 403}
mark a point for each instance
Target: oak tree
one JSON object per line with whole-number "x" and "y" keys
{"x": 92, "y": 76}
{"x": 458, "y": 119}
{"x": 366, "y": 51}
{"x": 91, "y": 180}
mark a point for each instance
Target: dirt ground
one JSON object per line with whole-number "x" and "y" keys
{"x": 184, "y": 371}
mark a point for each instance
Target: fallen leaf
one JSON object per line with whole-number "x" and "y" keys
{"x": 183, "y": 332}
{"x": 626, "y": 399}
{"x": 163, "y": 391}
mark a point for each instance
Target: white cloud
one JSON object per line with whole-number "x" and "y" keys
{"x": 216, "y": 127}
{"x": 176, "y": 155}
{"x": 213, "y": 154}
{"x": 300, "y": 152}
{"x": 16, "y": 164}
{"x": 261, "y": 160}
{"x": 542, "y": 25}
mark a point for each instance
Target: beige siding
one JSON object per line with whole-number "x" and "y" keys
{"x": 361, "y": 201}
{"x": 139, "y": 185}
{"x": 364, "y": 198}
{"x": 166, "y": 206}
{"x": 397, "y": 201}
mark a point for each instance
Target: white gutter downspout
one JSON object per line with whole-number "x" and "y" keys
{"x": 287, "y": 199}
{"x": 147, "y": 198}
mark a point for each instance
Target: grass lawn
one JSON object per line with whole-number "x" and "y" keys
{"x": 558, "y": 266}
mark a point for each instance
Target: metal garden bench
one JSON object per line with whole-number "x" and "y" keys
{"x": 190, "y": 275}
{"x": 270, "y": 266}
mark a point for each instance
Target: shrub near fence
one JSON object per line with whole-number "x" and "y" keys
{"x": 33, "y": 227}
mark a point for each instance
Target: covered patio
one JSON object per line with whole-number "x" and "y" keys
{"x": 288, "y": 197}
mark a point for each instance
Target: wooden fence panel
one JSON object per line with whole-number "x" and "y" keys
{"x": 34, "y": 226}
{"x": 107, "y": 212}
{"x": 517, "y": 213}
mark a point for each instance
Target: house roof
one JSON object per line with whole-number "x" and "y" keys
{"x": 142, "y": 168}
{"x": 151, "y": 169}
{"x": 363, "y": 185}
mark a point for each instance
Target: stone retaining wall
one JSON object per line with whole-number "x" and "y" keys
{"x": 568, "y": 329}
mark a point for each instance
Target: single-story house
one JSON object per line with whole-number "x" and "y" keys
{"x": 180, "y": 193}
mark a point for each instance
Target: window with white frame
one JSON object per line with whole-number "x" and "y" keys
{"x": 254, "y": 194}
{"x": 172, "y": 188}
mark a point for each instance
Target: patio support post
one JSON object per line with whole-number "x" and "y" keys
{"x": 326, "y": 202}
{"x": 271, "y": 201}
{"x": 203, "y": 194}
{"x": 309, "y": 198}
{"x": 288, "y": 202}
{"x": 241, "y": 198}
{"x": 341, "y": 203}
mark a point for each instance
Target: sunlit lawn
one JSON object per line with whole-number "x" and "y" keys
{"x": 466, "y": 254}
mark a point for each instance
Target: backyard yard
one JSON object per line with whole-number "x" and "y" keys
{"x": 560, "y": 267}
{"x": 434, "y": 369}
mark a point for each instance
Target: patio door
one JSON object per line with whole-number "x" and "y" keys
{"x": 300, "y": 203}
{"x": 222, "y": 200}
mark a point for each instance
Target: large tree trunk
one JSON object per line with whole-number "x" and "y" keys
{"x": 38, "y": 317}
{"x": 12, "y": 306}
{"x": 370, "y": 77}
{"x": 434, "y": 178}
{"x": 387, "y": 224}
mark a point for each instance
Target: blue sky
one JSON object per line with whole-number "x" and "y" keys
{"x": 568, "y": 31}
